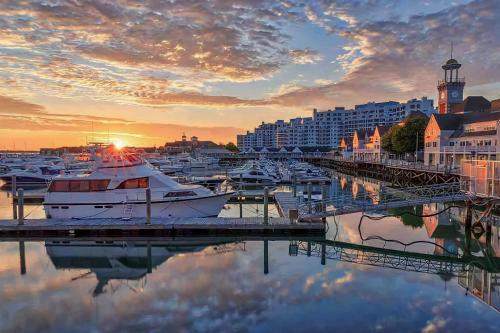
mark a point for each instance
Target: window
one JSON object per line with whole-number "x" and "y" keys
{"x": 434, "y": 144}
{"x": 452, "y": 143}
{"x": 134, "y": 183}
{"x": 78, "y": 185}
{"x": 180, "y": 194}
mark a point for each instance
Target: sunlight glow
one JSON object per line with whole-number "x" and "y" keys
{"x": 119, "y": 144}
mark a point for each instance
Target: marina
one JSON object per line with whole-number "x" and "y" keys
{"x": 249, "y": 166}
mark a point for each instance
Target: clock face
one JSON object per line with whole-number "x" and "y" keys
{"x": 454, "y": 94}
{"x": 442, "y": 95}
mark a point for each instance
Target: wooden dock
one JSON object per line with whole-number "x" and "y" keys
{"x": 285, "y": 201}
{"x": 171, "y": 227}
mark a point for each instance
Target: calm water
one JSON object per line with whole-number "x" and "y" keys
{"x": 195, "y": 285}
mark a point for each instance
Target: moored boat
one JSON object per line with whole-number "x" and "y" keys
{"x": 116, "y": 188}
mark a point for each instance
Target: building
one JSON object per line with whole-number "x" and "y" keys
{"x": 327, "y": 128}
{"x": 463, "y": 129}
{"x": 192, "y": 146}
{"x": 371, "y": 149}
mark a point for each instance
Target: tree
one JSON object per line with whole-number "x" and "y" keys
{"x": 386, "y": 140}
{"x": 232, "y": 147}
{"x": 403, "y": 138}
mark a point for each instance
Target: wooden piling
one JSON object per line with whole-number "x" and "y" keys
{"x": 241, "y": 203}
{"x": 22, "y": 258}
{"x": 14, "y": 193}
{"x": 266, "y": 257}
{"x": 323, "y": 254}
{"x": 148, "y": 206}
{"x": 266, "y": 205}
{"x": 20, "y": 203}
{"x": 309, "y": 197}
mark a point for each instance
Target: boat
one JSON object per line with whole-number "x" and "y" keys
{"x": 116, "y": 188}
{"x": 254, "y": 175}
{"x": 32, "y": 176}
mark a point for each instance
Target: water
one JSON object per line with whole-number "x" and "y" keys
{"x": 227, "y": 285}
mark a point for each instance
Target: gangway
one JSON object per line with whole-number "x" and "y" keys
{"x": 387, "y": 197}
{"x": 398, "y": 259}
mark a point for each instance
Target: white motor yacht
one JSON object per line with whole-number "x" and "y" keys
{"x": 36, "y": 175}
{"x": 116, "y": 188}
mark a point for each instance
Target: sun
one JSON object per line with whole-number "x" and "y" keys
{"x": 119, "y": 144}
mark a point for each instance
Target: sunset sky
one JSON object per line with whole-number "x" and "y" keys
{"x": 147, "y": 71}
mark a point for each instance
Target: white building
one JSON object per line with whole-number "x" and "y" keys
{"x": 326, "y": 128}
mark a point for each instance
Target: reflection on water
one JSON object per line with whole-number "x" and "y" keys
{"x": 450, "y": 282}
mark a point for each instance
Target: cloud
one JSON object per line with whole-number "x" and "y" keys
{"x": 17, "y": 115}
{"x": 401, "y": 59}
{"x": 162, "y": 53}
{"x": 306, "y": 56}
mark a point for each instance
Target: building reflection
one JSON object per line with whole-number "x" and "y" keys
{"x": 483, "y": 285}
{"x": 121, "y": 261}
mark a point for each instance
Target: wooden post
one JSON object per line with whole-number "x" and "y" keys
{"x": 148, "y": 206}
{"x": 266, "y": 257}
{"x": 20, "y": 203}
{"x": 308, "y": 249}
{"x": 266, "y": 205}
{"x": 323, "y": 254}
{"x": 294, "y": 183}
{"x": 14, "y": 194}
{"x": 309, "y": 197}
{"x": 22, "y": 258}
{"x": 240, "y": 203}
{"x": 241, "y": 181}
{"x": 150, "y": 259}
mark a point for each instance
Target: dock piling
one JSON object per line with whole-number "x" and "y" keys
{"x": 323, "y": 254}
{"x": 294, "y": 183}
{"x": 266, "y": 257}
{"x": 22, "y": 258}
{"x": 309, "y": 197}
{"x": 266, "y": 205}
{"x": 20, "y": 203}
{"x": 240, "y": 200}
{"x": 14, "y": 193}
{"x": 148, "y": 206}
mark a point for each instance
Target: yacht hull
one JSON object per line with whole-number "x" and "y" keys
{"x": 195, "y": 207}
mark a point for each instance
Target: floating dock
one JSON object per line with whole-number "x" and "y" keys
{"x": 172, "y": 227}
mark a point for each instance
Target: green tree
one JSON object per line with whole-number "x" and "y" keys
{"x": 232, "y": 147}
{"x": 403, "y": 138}
{"x": 386, "y": 140}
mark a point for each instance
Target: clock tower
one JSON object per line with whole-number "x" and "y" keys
{"x": 451, "y": 88}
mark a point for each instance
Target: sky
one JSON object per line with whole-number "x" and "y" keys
{"x": 144, "y": 72}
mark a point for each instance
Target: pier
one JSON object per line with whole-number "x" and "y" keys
{"x": 171, "y": 227}
{"x": 401, "y": 174}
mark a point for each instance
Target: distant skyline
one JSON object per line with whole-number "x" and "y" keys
{"x": 147, "y": 71}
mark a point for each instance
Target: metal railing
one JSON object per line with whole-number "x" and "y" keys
{"x": 387, "y": 198}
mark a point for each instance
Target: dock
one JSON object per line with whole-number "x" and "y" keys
{"x": 285, "y": 201}
{"x": 171, "y": 227}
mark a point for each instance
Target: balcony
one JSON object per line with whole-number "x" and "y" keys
{"x": 458, "y": 81}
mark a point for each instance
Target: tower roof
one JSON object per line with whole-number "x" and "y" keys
{"x": 451, "y": 61}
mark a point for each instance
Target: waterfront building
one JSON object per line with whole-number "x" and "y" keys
{"x": 370, "y": 147}
{"x": 195, "y": 147}
{"x": 326, "y": 128}
{"x": 463, "y": 129}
